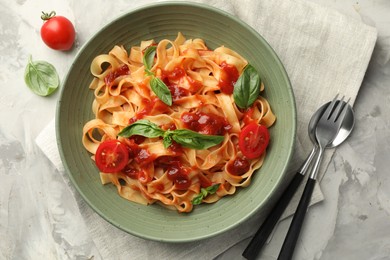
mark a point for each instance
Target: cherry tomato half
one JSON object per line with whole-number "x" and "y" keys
{"x": 111, "y": 156}
{"x": 57, "y": 32}
{"x": 253, "y": 140}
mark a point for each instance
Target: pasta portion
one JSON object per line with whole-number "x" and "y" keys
{"x": 175, "y": 122}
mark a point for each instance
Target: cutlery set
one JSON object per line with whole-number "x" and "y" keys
{"x": 329, "y": 126}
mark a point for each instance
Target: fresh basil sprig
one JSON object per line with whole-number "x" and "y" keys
{"x": 185, "y": 137}
{"x": 156, "y": 84}
{"x": 194, "y": 140}
{"x": 144, "y": 128}
{"x": 247, "y": 87}
{"x": 204, "y": 192}
{"x": 41, "y": 77}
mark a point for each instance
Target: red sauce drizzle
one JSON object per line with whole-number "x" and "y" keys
{"x": 131, "y": 172}
{"x": 175, "y": 74}
{"x": 150, "y": 107}
{"x": 247, "y": 117}
{"x": 204, "y": 181}
{"x": 195, "y": 85}
{"x": 120, "y": 71}
{"x": 176, "y": 148}
{"x": 159, "y": 186}
{"x": 176, "y": 172}
{"x": 239, "y": 166}
{"x": 177, "y": 92}
{"x": 205, "y": 123}
{"x": 229, "y": 76}
{"x": 143, "y": 157}
{"x": 171, "y": 79}
{"x": 143, "y": 177}
{"x": 132, "y": 146}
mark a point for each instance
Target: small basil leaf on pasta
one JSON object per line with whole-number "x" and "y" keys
{"x": 142, "y": 127}
{"x": 161, "y": 90}
{"x": 41, "y": 77}
{"x": 148, "y": 58}
{"x": 213, "y": 188}
{"x": 195, "y": 140}
{"x": 204, "y": 192}
{"x": 247, "y": 87}
{"x": 197, "y": 199}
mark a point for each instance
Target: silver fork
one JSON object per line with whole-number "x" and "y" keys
{"x": 326, "y": 131}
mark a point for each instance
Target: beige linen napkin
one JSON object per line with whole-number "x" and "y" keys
{"x": 324, "y": 53}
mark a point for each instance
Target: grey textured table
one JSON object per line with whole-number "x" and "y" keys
{"x": 37, "y": 218}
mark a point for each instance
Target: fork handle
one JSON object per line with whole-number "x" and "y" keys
{"x": 290, "y": 241}
{"x": 262, "y": 234}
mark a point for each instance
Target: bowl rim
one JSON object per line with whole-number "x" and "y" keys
{"x": 236, "y": 20}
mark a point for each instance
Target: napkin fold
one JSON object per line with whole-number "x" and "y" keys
{"x": 324, "y": 53}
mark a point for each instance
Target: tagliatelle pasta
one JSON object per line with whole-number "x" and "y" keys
{"x": 156, "y": 165}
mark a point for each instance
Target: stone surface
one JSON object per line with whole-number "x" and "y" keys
{"x": 39, "y": 218}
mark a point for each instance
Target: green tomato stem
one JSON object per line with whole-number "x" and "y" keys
{"x": 47, "y": 16}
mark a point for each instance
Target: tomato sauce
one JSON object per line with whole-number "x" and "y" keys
{"x": 140, "y": 155}
{"x": 159, "y": 186}
{"x": 131, "y": 172}
{"x": 120, "y": 71}
{"x": 176, "y": 148}
{"x": 239, "y": 166}
{"x": 248, "y": 116}
{"x": 171, "y": 78}
{"x": 143, "y": 176}
{"x": 204, "y": 181}
{"x": 177, "y": 92}
{"x": 176, "y": 171}
{"x": 150, "y": 107}
{"x": 205, "y": 123}
{"x": 195, "y": 85}
{"x": 138, "y": 139}
{"x": 175, "y": 74}
{"x": 143, "y": 157}
{"x": 229, "y": 76}
{"x": 177, "y": 174}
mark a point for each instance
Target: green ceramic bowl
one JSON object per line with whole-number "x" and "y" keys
{"x": 165, "y": 20}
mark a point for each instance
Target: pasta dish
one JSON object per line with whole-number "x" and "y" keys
{"x": 176, "y": 123}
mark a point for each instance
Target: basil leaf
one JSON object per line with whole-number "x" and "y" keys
{"x": 213, "y": 188}
{"x": 41, "y": 77}
{"x": 156, "y": 84}
{"x": 167, "y": 138}
{"x": 197, "y": 199}
{"x": 161, "y": 90}
{"x": 195, "y": 140}
{"x": 149, "y": 58}
{"x": 247, "y": 87}
{"x": 185, "y": 137}
{"x": 142, "y": 127}
{"x": 204, "y": 192}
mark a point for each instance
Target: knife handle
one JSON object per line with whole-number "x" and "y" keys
{"x": 287, "y": 251}
{"x": 262, "y": 234}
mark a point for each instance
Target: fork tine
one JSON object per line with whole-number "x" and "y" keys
{"x": 330, "y": 107}
{"x": 343, "y": 112}
{"x": 336, "y": 111}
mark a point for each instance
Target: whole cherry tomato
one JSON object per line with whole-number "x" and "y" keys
{"x": 57, "y": 32}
